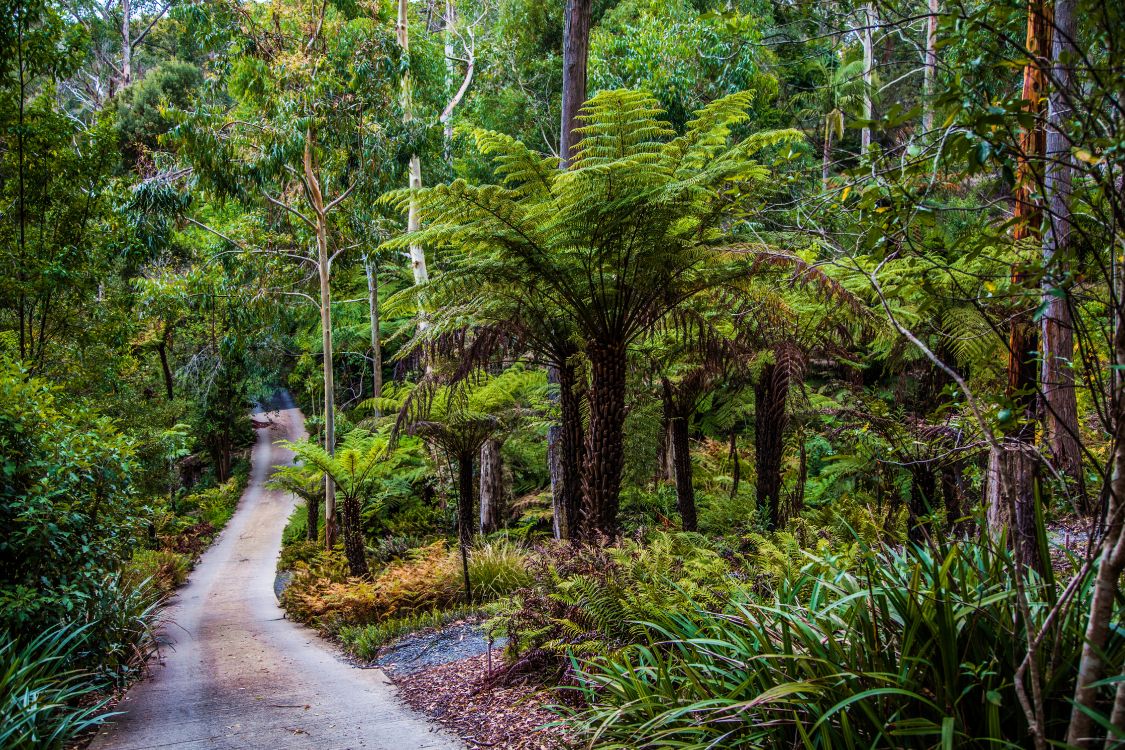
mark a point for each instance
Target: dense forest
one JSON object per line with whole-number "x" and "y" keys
{"x": 740, "y": 373}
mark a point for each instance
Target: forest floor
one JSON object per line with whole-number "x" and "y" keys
{"x": 447, "y": 674}
{"x": 236, "y": 674}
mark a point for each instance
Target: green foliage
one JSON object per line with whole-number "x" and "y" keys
{"x": 44, "y": 702}
{"x": 906, "y": 649}
{"x": 65, "y": 496}
{"x": 589, "y": 600}
{"x": 167, "y": 570}
{"x": 140, "y": 108}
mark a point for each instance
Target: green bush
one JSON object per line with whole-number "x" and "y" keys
{"x": 909, "y": 649}
{"x": 44, "y": 701}
{"x": 166, "y": 569}
{"x": 588, "y": 600}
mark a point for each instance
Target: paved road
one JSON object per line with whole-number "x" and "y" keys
{"x": 237, "y": 674}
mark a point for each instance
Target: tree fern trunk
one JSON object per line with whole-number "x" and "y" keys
{"x": 770, "y": 420}
{"x": 465, "y": 514}
{"x": 353, "y": 538}
{"x": 685, "y": 491}
{"x": 605, "y": 444}
{"x": 312, "y": 518}
{"x": 571, "y": 443}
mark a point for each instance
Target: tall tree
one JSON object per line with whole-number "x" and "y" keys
{"x": 417, "y": 253}
{"x": 1057, "y": 325}
{"x": 1012, "y": 465}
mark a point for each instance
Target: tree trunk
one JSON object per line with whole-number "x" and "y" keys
{"x": 465, "y": 515}
{"x": 736, "y": 465}
{"x": 312, "y": 518}
{"x": 492, "y": 495}
{"x": 1057, "y": 326}
{"x": 923, "y": 493}
{"x": 572, "y": 447}
{"x": 1091, "y": 666}
{"x": 353, "y": 538}
{"x": 162, "y": 350}
{"x": 685, "y": 491}
{"x": 376, "y": 346}
{"x": 417, "y": 254}
{"x": 770, "y": 421}
{"x": 930, "y": 70}
{"x": 868, "y": 75}
{"x": 826, "y": 158}
{"x": 1011, "y": 464}
{"x": 605, "y": 443}
{"x": 317, "y": 200}
{"x": 126, "y": 43}
{"x": 576, "y": 50}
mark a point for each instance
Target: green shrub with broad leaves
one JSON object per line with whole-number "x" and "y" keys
{"x": 900, "y": 649}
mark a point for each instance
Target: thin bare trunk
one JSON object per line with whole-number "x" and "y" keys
{"x": 826, "y": 158}
{"x": 1057, "y": 326}
{"x": 126, "y": 43}
{"x": 1012, "y": 467}
{"x": 685, "y": 490}
{"x": 868, "y": 75}
{"x": 417, "y": 254}
{"x": 376, "y": 345}
{"x": 930, "y": 70}
{"x": 576, "y": 49}
{"x": 316, "y": 198}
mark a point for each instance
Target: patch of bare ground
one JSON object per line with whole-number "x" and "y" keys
{"x": 483, "y": 714}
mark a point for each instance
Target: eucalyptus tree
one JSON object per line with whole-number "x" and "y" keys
{"x": 308, "y": 103}
{"x": 637, "y": 225}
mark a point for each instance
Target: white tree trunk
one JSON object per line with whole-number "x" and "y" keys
{"x": 868, "y": 74}
{"x": 417, "y": 254}
{"x": 376, "y": 346}
{"x": 930, "y": 70}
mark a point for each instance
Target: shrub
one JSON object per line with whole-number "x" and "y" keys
{"x": 911, "y": 649}
{"x": 44, "y": 702}
{"x": 593, "y": 600}
{"x": 322, "y": 594}
{"x": 166, "y": 569}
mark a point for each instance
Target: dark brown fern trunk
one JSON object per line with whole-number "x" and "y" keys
{"x": 770, "y": 420}
{"x": 685, "y": 491}
{"x": 605, "y": 444}
{"x": 312, "y": 518}
{"x": 465, "y": 514}
{"x": 736, "y": 465}
{"x": 572, "y": 448}
{"x": 353, "y": 538}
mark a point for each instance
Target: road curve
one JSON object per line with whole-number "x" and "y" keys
{"x": 239, "y": 675}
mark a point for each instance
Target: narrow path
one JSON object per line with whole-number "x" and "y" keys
{"x": 238, "y": 675}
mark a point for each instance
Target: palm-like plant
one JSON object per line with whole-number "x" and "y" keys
{"x": 637, "y": 225}
{"x": 306, "y": 481}
{"x": 356, "y": 469}
{"x": 458, "y": 419}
